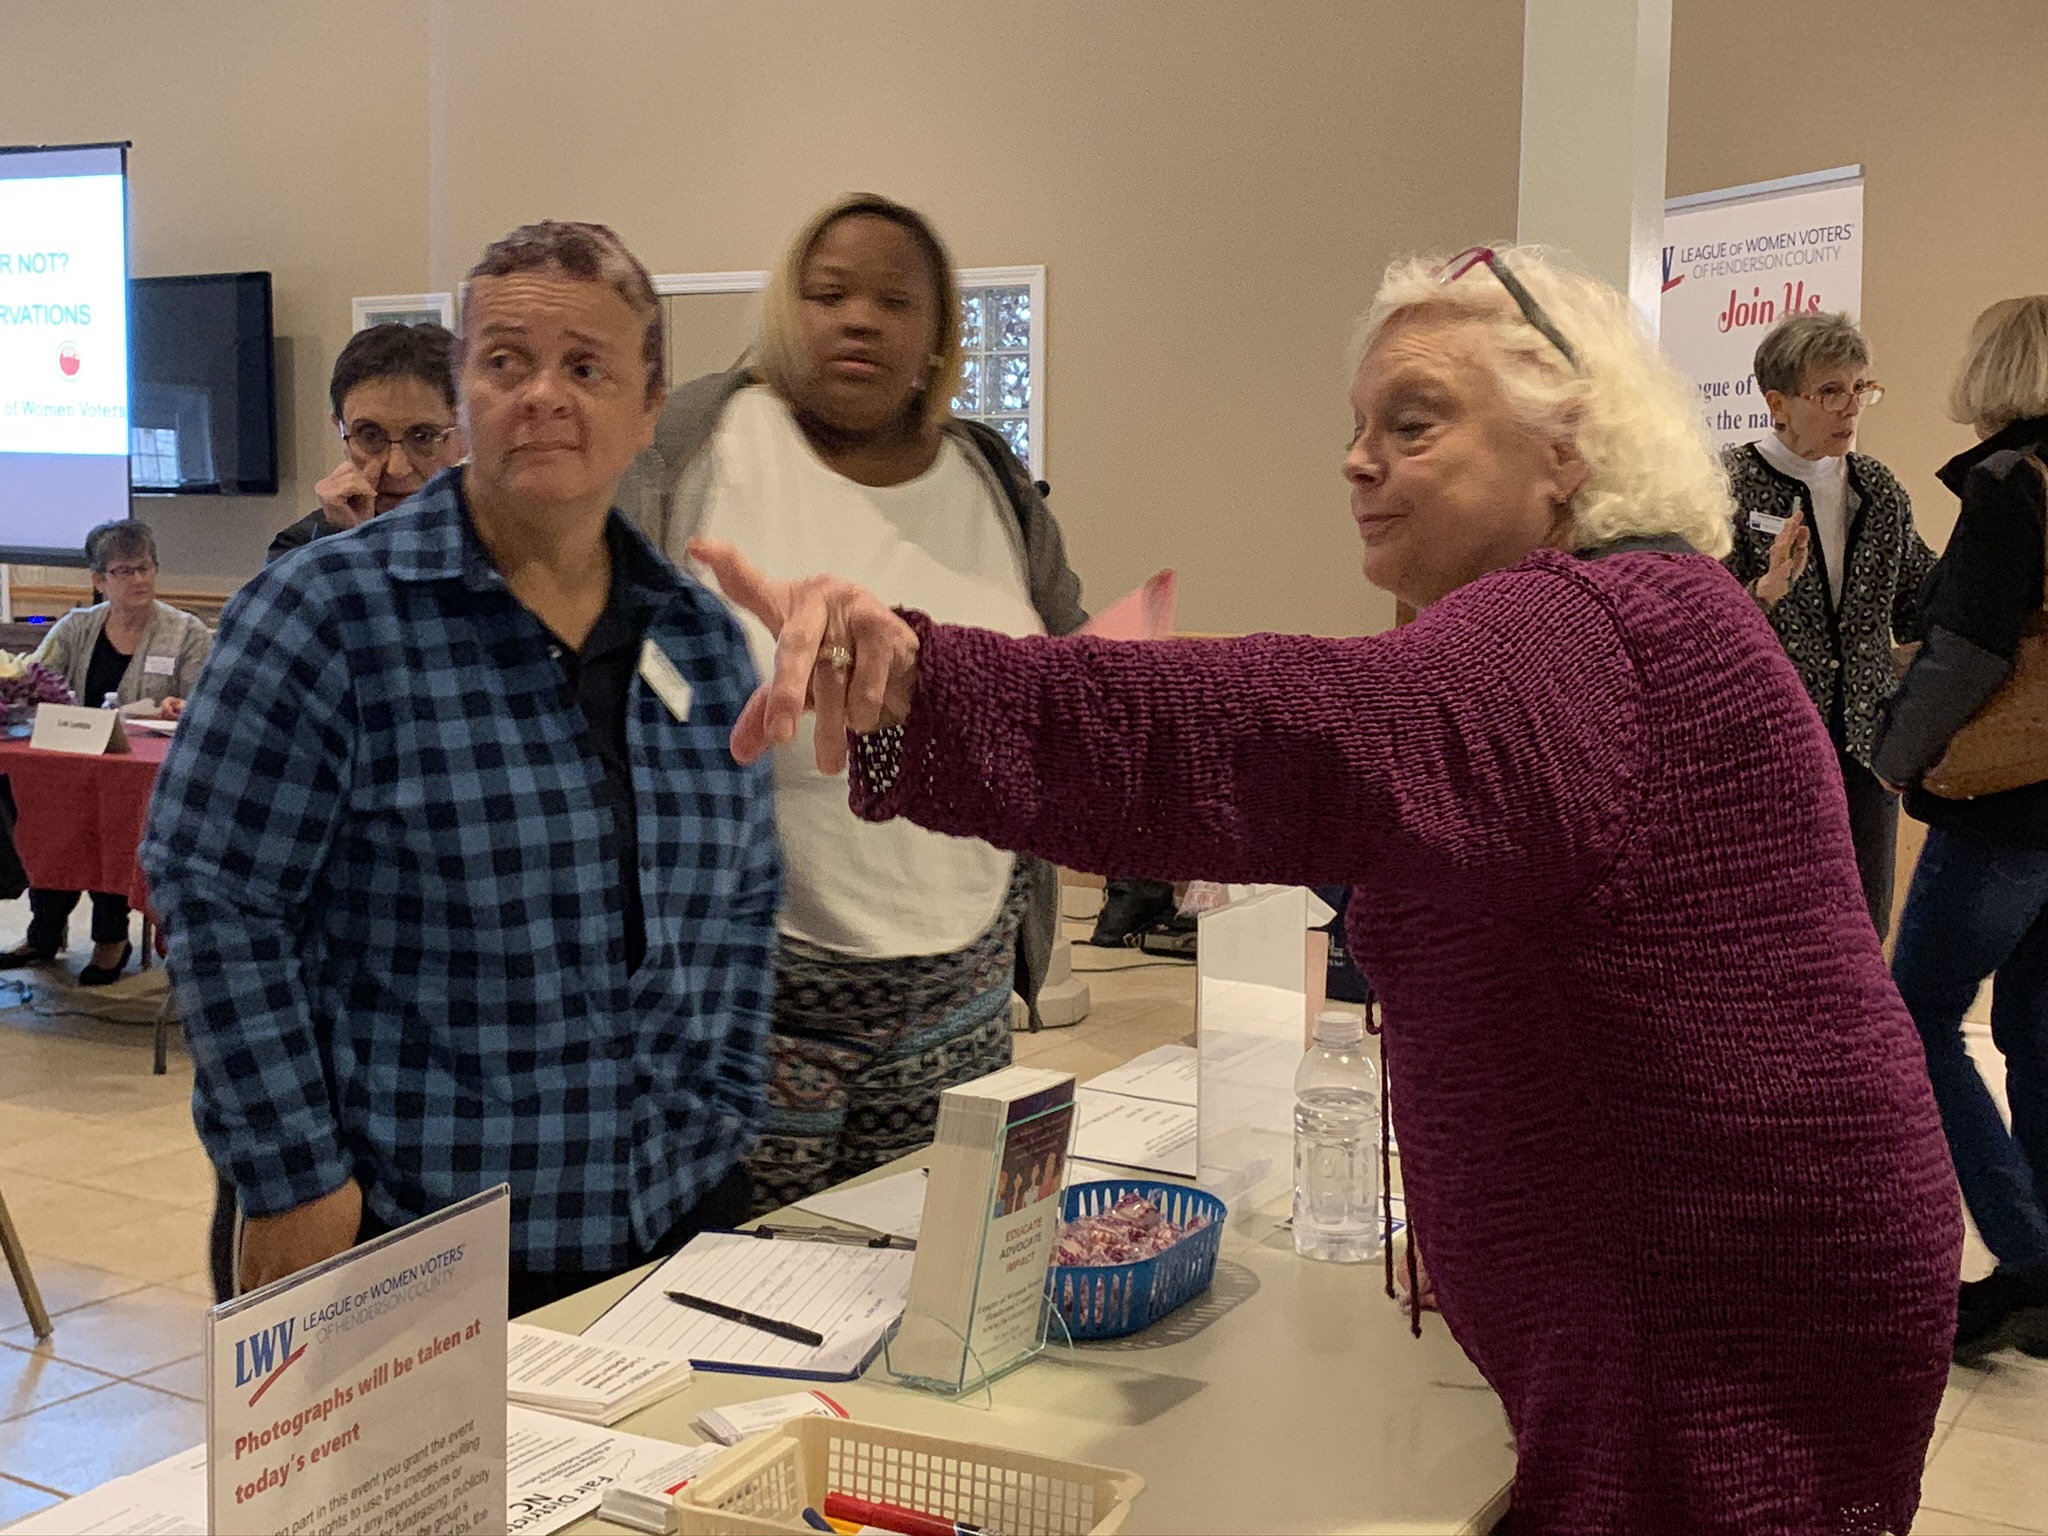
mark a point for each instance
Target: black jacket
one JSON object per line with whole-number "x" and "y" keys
{"x": 313, "y": 525}
{"x": 1976, "y": 603}
{"x": 1843, "y": 651}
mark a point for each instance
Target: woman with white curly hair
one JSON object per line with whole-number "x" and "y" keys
{"x": 1665, "y": 1130}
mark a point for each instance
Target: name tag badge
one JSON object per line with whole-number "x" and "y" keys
{"x": 668, "y": 685}
{"x": 1763, "y": 522}
{"x": 159, "y": 666}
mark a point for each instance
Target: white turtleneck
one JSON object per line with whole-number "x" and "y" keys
{"x": 1827, "y": 483}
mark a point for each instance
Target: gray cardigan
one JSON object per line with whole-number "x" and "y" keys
{"x": 172, "y": 632}
{"x": 664, "y": 492}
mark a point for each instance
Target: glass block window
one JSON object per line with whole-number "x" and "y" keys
{"x": 155, "y": 454}
{"x": 1002, "y": 333}
{"x": 996, "y": 383}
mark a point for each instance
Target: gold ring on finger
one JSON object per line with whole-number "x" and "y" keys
{"x": 838, "y": 657}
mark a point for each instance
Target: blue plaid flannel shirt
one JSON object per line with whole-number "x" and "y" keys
{"x": 390, "y": 889}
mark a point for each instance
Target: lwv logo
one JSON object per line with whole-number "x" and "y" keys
{"x": 265, "y": 1355}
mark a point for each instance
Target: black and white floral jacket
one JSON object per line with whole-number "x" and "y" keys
{"x": 1843, "y": 653}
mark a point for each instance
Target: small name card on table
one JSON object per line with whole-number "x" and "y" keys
{"x": 70, "y": 728}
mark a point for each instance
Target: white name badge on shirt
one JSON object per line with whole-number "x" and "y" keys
{"x": 665, "y": 680}
{"x": 1763, "y": 522}
{"x": 159, "y": 666}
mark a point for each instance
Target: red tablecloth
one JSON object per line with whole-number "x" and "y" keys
{"x": 79, "y": 820}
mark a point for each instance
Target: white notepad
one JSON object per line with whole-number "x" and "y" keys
{"x": 1147, "y": 1134}
{"x": 1169, "y": 1073}
{"x": 167, "y": 1498}
{"x": 894, "y": 1205}
{"x": 850, "y": 1295}
{"x": 580, "y": 1378}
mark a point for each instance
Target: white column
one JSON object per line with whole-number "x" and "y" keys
{"x": 1596, "y": 78}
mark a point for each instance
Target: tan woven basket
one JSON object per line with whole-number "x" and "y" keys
{"x": 767, "y": 1483}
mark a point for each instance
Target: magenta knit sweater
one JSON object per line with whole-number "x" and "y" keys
{"x": 1668, "y": 1139}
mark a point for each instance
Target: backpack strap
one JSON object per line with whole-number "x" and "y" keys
{"x": 995, "y": 452}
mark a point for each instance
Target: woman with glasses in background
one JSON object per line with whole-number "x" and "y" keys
{"x": 394, "y": 405}
{"x": 143, "y": 656}
{"x": 1665, "y": 1129}
{"x": 1840, "y": 602}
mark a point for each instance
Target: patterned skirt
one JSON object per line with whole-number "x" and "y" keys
{"x": 861, "y": 1049}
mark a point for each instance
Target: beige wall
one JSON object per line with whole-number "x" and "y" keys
{"x": 1211, "y": 186}
{"x": 1944, "y": 106}
{"x": 265, "y": 137}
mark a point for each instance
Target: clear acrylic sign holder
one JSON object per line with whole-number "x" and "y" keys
{"x": 968, "y": 1373}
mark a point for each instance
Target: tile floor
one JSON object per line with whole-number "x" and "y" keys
{"x": 111, "y": 1193}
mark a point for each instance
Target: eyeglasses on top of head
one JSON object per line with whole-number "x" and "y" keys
{"x": 1486, "y": 256}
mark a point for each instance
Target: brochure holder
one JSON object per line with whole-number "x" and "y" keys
{"x": 970, "y": 1370}
{"x": 973, "y": 1384}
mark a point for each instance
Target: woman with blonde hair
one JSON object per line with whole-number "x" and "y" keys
{"x": 1978, "y": 905}
{"x": 1664, "y": 1129}
{"x": 834, "y": 447}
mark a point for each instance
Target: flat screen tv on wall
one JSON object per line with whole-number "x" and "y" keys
{"x": 202, "y": 409}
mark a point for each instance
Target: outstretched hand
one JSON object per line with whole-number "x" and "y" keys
{"x": 839, "y": 650}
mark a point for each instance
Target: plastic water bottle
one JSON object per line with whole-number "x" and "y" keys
{"x": 1336, "y": 1145}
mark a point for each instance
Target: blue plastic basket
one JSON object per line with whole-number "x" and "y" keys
{"x": 1106, "y": 1301}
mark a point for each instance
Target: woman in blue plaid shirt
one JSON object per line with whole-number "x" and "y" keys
{"x": 461, "y": 885}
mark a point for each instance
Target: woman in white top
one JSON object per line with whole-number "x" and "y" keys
{"x": 837, "y": 450}
{"x": 1824, "y": 540}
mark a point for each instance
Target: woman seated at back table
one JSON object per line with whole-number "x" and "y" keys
{"x": 144, "y": 654}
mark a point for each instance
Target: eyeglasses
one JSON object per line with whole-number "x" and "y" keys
{"x": 371, "y": 442}
{"x": 129, "y": 572}
{"x": 1481, "y": 255}
{"x": 1832, "y": 397}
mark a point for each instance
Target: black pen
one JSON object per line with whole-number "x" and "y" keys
{"x": 846, "y": 1235}
{"x": 790, "y": 1331}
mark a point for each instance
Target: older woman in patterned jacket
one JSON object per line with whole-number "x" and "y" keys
{"x": 1838, "y": 604}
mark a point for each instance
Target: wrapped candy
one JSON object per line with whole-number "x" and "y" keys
{"x": 1132, "y": 1230}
